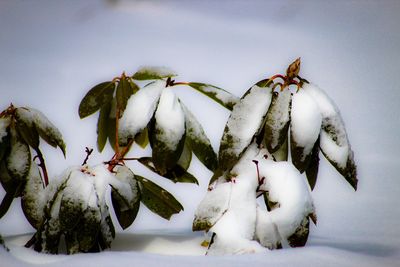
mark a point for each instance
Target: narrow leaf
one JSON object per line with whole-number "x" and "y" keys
{"x": 102, "y": 126}
{"x": 6, "y": 203}
{"x": 142, "y": 139}
{"x": 125, "y": 213}
{"x": 153, "y": 73}
{"x": 198, "y": 141}
{"x": 245, "y": 121}
{"x": 186, "y": 156}
{"x": 217, "y": 94}
{"x": 96, "y": 98}
{"x": 124, "y": 92}
{"x": 111, "y": 125}
{"x": 169, "y": 133}
{"x": 282, "y": 153}
{"x": 312, "y": 169}
{"x": 26, "y": 127}
{"x": 157, "y": 199}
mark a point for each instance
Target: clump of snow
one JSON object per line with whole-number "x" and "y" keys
{"x": 305, "y": 121}
{"x": 266, "y": 231}
{"x": 4, "y": 123}
{"x": 139, "y": 110}
{"x": 170, "y": 119}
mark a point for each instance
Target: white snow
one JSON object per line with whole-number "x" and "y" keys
{"x": 139, "y": 110}
{"x": 170, "y": 119}
{"x": 161, "y": 71}
{"x": 305, "y": 124}
{"x": 222, "y": 95}
{"x": 44, "y": 125}
{"x": 4, "y": 122}
{"x": 193, "y": 127}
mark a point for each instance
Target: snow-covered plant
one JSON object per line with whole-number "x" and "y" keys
{"x": 280, "y": 123}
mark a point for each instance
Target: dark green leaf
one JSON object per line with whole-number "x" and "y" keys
{"x": 102, "y": 126}
{"x": 277, "y": 120}
{"x": 111, "y": 125}
{"x": 124, "y": 212}
{"x": 124, "y": 91}
{"x": 177, "y": 174}
{"x": 219, "y": 95}
{"x": 245, "y": 121}
{"x": 71, "y": 212}
{"x": 5, "y": 144}
{"x": 18, "y": 161}
{"x": 312, "y": 169}
{"x": 152, "y": 73}
{"x": 300, "y": 236}
{"x": 282, "y": 153}
{"x": 142, "y": 139}
{"x": 186, "y": 156}
{"x": 134, "y": 86}
{"x": 157, "y": 199}
{"x": 89, "y": 228}
{"x": 26, "y": 127}
{"x": 96, "y": 98}
{"x": 6, "y": 203}
{"x": 72, "y": 242}
{"x": 199, "y": 142}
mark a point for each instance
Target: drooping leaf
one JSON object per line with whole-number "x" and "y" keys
{"x": 124, "y": 92}
{"x": 282, "y": 153}
{"x": 111, "y": 125}
{"x": 153, "y": 73}
{"x": 89, "y": 228}
{"x": 72, "y": 242}
{"x": 312, "y": 169}
{"x": 4, "y": 136}
{"x": 6, "y": 203}
{"x": 277, "y": 120}
{"x": 26, "y": 127}
{"x": 96, "y": 98}
{"x": 142, "y": 139}
{"x": 305, "y": 125}
{"x": 71, "y": 212}
{"x": 5, "y": 144}
{"x": 177, "y": 174}
{"x": 219, "y": 95}
{"x": 334, "y": 142}
{"x": 186, "y": 156}
{"x": 244, "y": 123}
{"x": 169, "y": 133}
{"x": 125, "y": 196}
{"x": 18, "y": 161}
{"x": 157, "y": 199}
{"x": 198, "y": 141}
{"x": 102, "y": 126}
{"x": 139, "y": 111}
{"x": 47, "y": 131}
{"x": 300, "y": 236}
{"x": 107, "y": 232}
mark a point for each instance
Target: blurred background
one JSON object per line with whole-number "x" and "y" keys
{"x": 53, "y": 52}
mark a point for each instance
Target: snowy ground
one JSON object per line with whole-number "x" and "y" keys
{"x": 53, "y": 52}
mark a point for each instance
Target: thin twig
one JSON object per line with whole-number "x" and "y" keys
{"x": 42, "y": 165}
{"x": 88, "y": 152}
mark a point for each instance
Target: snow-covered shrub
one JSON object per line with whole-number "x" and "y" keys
{"x": 282, "y": 129}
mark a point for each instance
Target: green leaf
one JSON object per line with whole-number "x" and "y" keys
{"x": 71, "y": 212}
{"x": 157, "y": 199}
{"x": 124, "y": 212}
{"x": 107, "y": 233}
{"x": 18, "y": 161}
{"x": 186, "y": 156}
{"x": 111, "y": 125}
{"x": 96, "y": 98}
{"x": 199, "y": 142}
{"x": 142, "y": 139}
{"x": 47, "y": 131}
{"x": 277, "y": 120}
{"x": 153, "y": 73}
{"x": 26, "y": 127}
{"x": 5, "y": 144}
{"x": 177, "y": 174}
{"x": 6, "y": 203}
{"x": 124, "y": 91}
{"x": 168, "y": 137}
{"x": 312, "y": 169}
{"x": 300, "y": 236}
{"x": 102, "y": 126}
{"x": 245, "y": 121}
{"x": 219, "y": 95}
{"x": 89, "y": 229}
{"x": 282, "y": 153}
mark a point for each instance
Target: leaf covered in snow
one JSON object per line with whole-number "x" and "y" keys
{"x": 153, "y": 73}
{"x": 124, "y": 92}
{"x": 139, "y": 111}
{"x": 26, "y": 127}
{"x": 244, "y": 123}
{"x": 168, "y": 135}
{"x": 313, "y": 166}
{"x": 198, "y": 141}
{"x": 219, "y": 95}
{"x": 95, "y": 98}
{"x": 157, "y": 199}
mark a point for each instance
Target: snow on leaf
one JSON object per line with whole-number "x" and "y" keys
{"x": 244, "y": 122}
{"x": 334, "y": 142}
{"x": 153, "y": 73}
{"x": 169, "y": 132}
{"x": 157, "y": 199}
{"x": 186, "y": 156}
{"x": 312, "y": 169}
{"x": 124, "y": 91}
{"x": 95, "y": 98}
{"x": 19, "y": 158}
{"x": 277, "y": 120}
{"x": 26, "y": 127}
{"x": 213, "y": 206}
{"x": 266, "y": 231}
{"x": 47, "y": 130}
{"x": 139, "y": 110}
{"x": 305, "y": 127}
{"x": 4, "y": 123}
{"x": 33, "y": 199}
{"x": 219, "y": 95}
{"x": 198, "y": 141}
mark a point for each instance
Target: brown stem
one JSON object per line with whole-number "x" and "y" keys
{"x": 42, "y": 165}
{"x": 31, "y": 241}
{"x": 88, "y": 152}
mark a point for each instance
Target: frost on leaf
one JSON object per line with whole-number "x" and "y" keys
{"x": 334, "y": 142}
{"x": 277, "y": 120}
{"x": 219, "y": 95}
{"x": 305, "y": 127}
{"x": 245, "y": 121}
{"x": 198, "y": 141}
{"x": 153, "y": 73}
{"x": 139, "y": 110}
{"x": 168, "y": 136}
